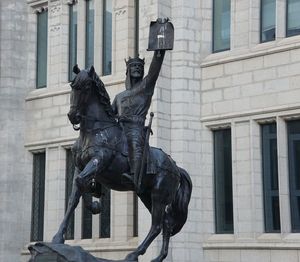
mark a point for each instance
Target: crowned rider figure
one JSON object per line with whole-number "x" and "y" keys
{"x": 131, "y": 106}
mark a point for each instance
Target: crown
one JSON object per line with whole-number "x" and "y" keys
{"x": 135, "y": 60}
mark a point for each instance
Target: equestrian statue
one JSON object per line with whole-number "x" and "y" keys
{"x": 113, "y": 149}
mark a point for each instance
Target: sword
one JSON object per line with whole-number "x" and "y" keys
{"x": 146, "y": 146}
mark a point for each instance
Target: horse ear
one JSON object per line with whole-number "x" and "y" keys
{"x": 91, "y": 71}
{"x": 76, "y": 69}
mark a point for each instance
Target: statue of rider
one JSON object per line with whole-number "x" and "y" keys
{"x": 131, "y": 106}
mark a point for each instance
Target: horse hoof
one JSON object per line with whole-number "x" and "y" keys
{"x": 79, "y": 182}
{"x": 57, "y": 240}
{"x": 131, "y": 257}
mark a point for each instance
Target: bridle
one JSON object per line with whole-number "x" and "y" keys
{"x": 84, "y": 119}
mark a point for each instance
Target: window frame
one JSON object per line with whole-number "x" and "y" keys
{"x": 69, "y": 175}
{"x": 213, "y": 31}
{"x": 89, "y": 53}
{"x": 38, "y": 13}
{"x": 217, "y": 219}
{"x": 295, "y": 228}
{"x": 71, "y": 75}
{"x": 260, "y": 24}
{"x": 286, "y": 21}
{"x": 266, "y": 178}
{"x": 104, "y": 73}
{"x": 38, "y": 169}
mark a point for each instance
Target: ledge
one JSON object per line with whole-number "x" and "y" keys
{"x": 66, "y": 141}
{"x": 258, "y": 114}
{"x": 37, "y": 3}
{"x": 65, "y": 89}
{"x": 264, "y": 241}
{"x": 286, "y": 44}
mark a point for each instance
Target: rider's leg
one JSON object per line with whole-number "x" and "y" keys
{"x": 135, "y": 140}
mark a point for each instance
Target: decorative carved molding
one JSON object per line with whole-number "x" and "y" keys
{"x": 40, "y": 10}
{"x": 72, "y": 2}
{"x": 55, "y": 9}
{"x": 120, "y": 11}
{"x": 54, "y": 28}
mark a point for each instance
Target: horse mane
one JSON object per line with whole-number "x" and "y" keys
{"x": 103, "y": 95}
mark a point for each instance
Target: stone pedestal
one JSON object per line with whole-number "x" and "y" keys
{"x": 48, "y": 252}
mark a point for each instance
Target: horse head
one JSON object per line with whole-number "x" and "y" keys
{"x": 85, "y": 84}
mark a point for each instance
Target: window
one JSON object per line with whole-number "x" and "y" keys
{"x": 86, "y": 219}
{"x": 293, "y": 20}
{"x": 267, "y": 20}
{"x": 105, "y": 214}
{"x": 136, "y": 22}
{"x": 270, "y": 178}
{"x": 42, "y": 34}
{"x": 107, "y": 37}
{"x": 89, "y": 38}
{"x": 70, "y": 168}
{"x": 223, "y": 181}
{"x": 221, "y": 25}
{"x": 72, "y": 39}
{"x": 293, "y": 128}
{"x": 38, "y": 197}
{"x": 135, "y": 215}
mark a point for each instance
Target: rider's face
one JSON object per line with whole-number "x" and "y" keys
{"x": 136, "y": 70}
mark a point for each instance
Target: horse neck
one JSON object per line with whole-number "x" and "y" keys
{"x": 96, "y": 110}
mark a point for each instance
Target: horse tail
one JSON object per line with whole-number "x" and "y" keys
{"x": 180, "y": 204}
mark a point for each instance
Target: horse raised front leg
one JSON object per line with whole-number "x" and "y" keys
{"x": 158, "y": 210}
{"x": 72, "y": 204}
{"x": 83, "y": 180}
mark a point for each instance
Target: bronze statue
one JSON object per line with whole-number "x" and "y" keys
{"x": 109, "y": 134}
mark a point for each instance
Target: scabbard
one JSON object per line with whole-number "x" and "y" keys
{"x": 145, "y": 151}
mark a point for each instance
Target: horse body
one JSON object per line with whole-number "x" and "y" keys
{"x": 101, "y": 158}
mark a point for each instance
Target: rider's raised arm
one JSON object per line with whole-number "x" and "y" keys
{"x": 157, "y": 60}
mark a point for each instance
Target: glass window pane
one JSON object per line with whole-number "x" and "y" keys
{"x": 105, "y": 214}
{"x": 38, "y": 197}
{"x": 135, "y": 215}
{"x": 270, "y": 178}
{"x": 107, "y": 37}
{"x": 89, "y": 44}
{"x": 86, "y": 219}
{"x": 293, "y": 17}
{"x": 136, "y": 35}
{"x": 294, "y": 172}
{"x": 223, "y": 181}
{"x": 268, "y": 20}
{"x": 42, "y": 35}
{"x": 221, "y": 25}
{"x": 72, "y": 40}
{"x": 70, "y": 168}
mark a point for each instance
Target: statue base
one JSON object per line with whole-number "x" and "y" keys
{"x": 49, "y": 252}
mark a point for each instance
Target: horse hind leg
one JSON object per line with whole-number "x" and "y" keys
{"x": 166, "y": 239}
{"x": 158, "y": 210}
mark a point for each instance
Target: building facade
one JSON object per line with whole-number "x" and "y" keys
{"x": 226, "y": 109}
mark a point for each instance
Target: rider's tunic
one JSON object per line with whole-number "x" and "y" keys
{"x": 131, "y": 107}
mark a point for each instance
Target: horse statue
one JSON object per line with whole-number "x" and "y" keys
{"x": 101, "y": 149}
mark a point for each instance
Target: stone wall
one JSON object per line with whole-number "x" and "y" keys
{"x": 16, "y": 78}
